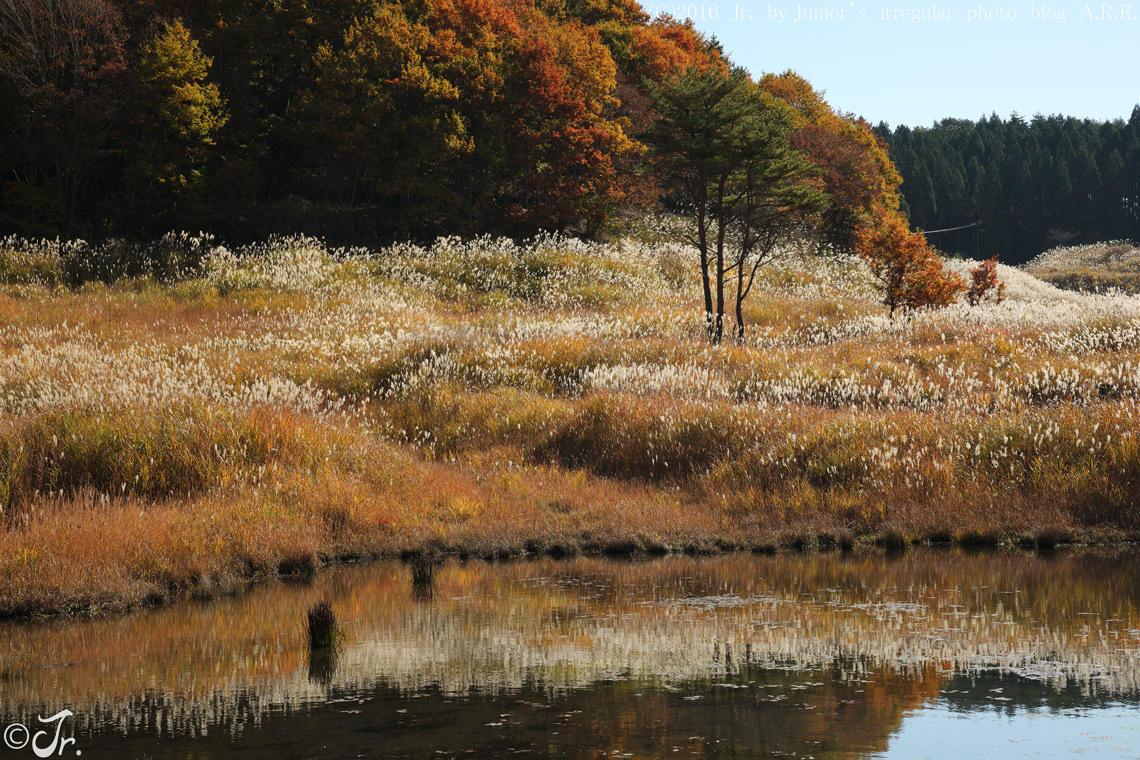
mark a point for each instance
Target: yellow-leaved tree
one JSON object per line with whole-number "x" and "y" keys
{"x": 181, "y": 115}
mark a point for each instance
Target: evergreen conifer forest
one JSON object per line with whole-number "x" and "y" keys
{"x": 1034, "y": 183}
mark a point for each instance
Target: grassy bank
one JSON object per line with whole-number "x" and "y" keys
{"x": 271, "y": 409}
{"x": 1099, "y": 268}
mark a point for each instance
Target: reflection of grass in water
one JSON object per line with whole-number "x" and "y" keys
{"x": 322, "y": 666}
{"x": 13, "y": 670}
{"x": 424, "y": 570}
{"x": 573, "y": 622}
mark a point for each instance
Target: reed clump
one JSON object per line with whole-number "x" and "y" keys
{"x": 322, "y": 631}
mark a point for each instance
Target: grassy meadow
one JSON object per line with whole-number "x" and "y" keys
{"x": 1105, "y": 267}
{"x": 221, "y": 415}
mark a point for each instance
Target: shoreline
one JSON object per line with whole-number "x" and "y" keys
{"x": 888, "y": 544}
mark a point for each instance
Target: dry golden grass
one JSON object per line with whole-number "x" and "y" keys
{"x": 290, "y": 406}
{"x": 1112, "y": 266}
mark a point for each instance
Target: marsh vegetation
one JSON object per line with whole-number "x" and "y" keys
{"x": 285, "y": 405}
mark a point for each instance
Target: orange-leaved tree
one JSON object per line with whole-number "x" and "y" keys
{"x": 469, "y": 115}
{"x": 984, "y": 282}
{"x": 911, "y": 275}
{"x": 565, "y": 144}
{"x": 645, "y": 52}
{"x": 856, "y": 170}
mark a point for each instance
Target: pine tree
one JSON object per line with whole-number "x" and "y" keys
{"x": 722, "y": 144}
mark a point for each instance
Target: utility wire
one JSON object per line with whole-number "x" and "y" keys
{"x": 950, "y": 229}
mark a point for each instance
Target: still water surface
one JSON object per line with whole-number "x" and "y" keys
{"x": 936, "y": 653}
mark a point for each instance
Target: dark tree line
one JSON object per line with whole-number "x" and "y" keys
{"x": 368, "y": 120}
{"x": 351, "y": 119}
{"x": 1033, "y": 184}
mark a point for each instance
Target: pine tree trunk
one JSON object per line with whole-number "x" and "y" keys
{"x": 740, "y": 303}
{"x": 703, "y": 246}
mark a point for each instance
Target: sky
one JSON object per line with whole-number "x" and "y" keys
{"x": 913, "y": 64}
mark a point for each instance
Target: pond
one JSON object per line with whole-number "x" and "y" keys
{"x": 928, "y": 654}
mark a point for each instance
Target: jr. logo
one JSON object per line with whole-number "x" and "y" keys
{"x": 18, "y": 736}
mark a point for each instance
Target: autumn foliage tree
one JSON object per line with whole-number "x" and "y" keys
{"x": 569, "y": 142}
{"x": 855, "y": 169}
{"x": 910, "y": 274}
{"x": 167, "y": 181}
{"x": 383, "y": 119}
{"x": 468, "y": 111}
{"x": 382, "y": 115}
{"x": 985, "y": 283}
{"x": 646, "y": 54}
{"x": 862, "y": 186}
{"x": 65, "y": 65}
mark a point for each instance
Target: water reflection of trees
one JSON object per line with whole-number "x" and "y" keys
{"x": 1072, "y": 621}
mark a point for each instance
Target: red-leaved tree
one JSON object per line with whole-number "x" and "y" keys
{"x": 856, "y": 170}
{"x": 985, "y": 283}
